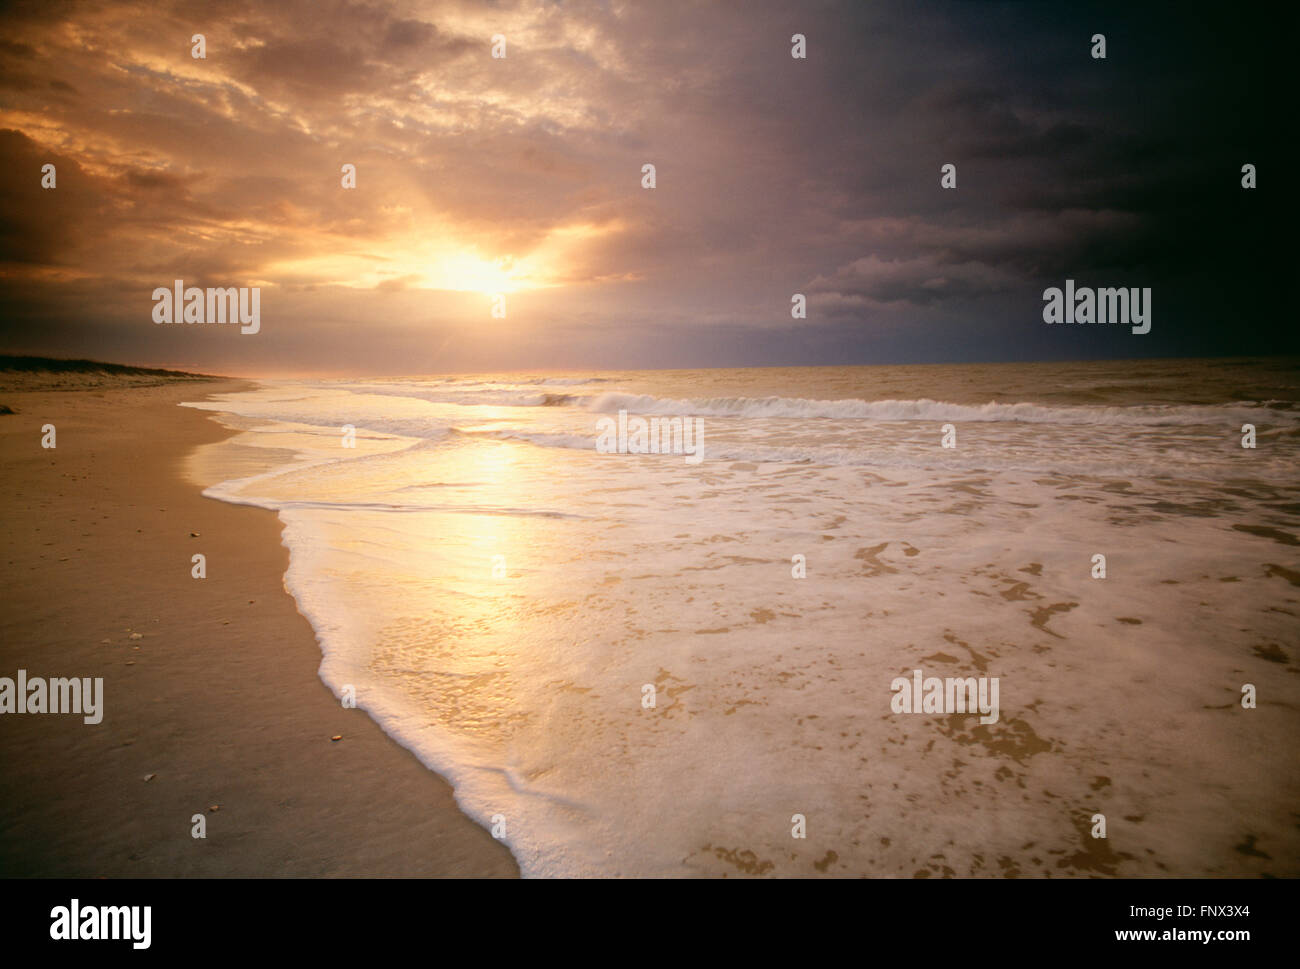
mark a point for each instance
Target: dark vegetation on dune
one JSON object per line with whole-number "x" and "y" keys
{"x": 54, "y": 365}
{"x": 19, "y": 374}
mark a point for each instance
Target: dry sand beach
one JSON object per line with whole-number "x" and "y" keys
{"x": 216, "y": 707}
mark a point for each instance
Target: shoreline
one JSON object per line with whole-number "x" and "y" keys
{"x": 217, "y": 701}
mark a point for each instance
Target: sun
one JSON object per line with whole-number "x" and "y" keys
{"x": 435, "y": 260}
{"x": 469, "y": 272}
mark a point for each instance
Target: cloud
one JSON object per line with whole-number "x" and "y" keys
{"x": 775, "y": 175}
{"x": 920, "y": 281}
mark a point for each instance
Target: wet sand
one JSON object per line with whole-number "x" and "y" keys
{"x": 212, "y": 704}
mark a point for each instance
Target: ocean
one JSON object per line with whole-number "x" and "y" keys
{"x": 650, "y": 664}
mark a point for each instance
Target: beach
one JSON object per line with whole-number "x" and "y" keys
{"x": 212, "y": 703}
{"x": 805, "y": 638}
{"x": 738, "y": 622}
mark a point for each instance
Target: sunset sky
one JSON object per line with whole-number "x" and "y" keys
{"x": 522, "y": 176}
